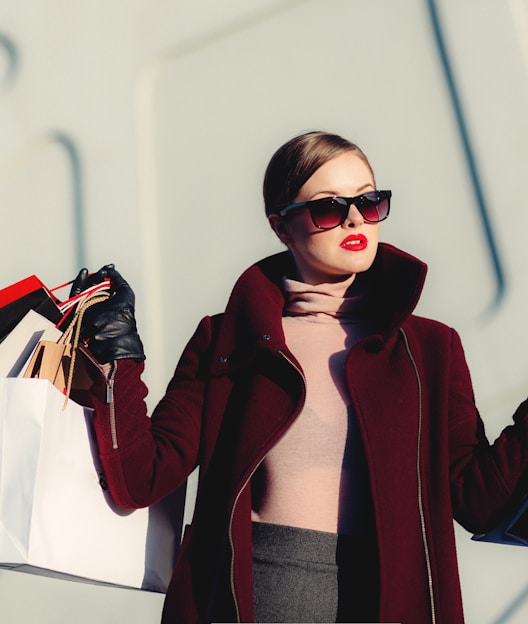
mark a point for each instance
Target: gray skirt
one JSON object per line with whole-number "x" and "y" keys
{"x": 301, "y": 575}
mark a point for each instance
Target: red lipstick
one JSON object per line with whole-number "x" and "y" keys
{"x": 354, "y": 242}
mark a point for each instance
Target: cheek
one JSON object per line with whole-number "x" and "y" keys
{"x": 303, "y": 223}
{"x": 373, "y": 233}
{"x": 301, "y": 230}
{"x": 373, "y": 239}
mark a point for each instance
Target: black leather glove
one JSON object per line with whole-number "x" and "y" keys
{"x": 109, "y": 327}
{"x": 84, "y": 280}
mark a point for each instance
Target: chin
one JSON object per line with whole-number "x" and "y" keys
{"x": 358, "y": 267}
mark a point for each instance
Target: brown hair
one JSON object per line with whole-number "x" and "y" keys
{"x": 297, "y": 160}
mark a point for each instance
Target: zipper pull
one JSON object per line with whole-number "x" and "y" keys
{"x": 109, "y": 390}
{"x": 110, "y": 384}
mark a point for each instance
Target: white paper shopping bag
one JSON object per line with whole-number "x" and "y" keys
{"x": 54, "y": 514}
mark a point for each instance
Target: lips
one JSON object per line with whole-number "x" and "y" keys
{"x": 354, "y": 242}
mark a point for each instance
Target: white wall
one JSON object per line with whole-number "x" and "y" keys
{"x": 137, "y": 132}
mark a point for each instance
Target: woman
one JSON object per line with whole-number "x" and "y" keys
{"x": 336, "y": 432}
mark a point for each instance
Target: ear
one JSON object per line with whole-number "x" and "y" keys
{"x": 279, "y": 227}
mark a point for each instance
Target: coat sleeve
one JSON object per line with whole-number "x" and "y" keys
{"x": 144, "y": 458}
{"x": 485, "y": 478}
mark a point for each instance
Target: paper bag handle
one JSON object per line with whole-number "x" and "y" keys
{"x": 47, "y": 359}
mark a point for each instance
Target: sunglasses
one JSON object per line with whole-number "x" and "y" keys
{"x": 330, "y": 212}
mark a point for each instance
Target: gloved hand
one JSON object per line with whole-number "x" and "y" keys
{"x": 110, "y": 326}
{"x": 84, "y": 280}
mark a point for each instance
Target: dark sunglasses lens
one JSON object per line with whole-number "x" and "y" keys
{"x": 328, "y": 213}
{"x": 374, "y": 207}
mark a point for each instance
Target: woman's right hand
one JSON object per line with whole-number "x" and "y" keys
{"x": 109, "y": 327}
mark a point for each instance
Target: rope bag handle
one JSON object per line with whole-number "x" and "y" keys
{"x": 72, "y": 334}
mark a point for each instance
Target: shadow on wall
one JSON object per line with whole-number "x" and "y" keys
{"x": 53, "y": 137}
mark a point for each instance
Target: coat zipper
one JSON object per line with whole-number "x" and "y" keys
{"x": 110, "y": 401}
{"x": 109, "y": 394}
{"x": 420, "y": 484}
{"x": 230, "y": 526}
{"x": 111, "y": 406}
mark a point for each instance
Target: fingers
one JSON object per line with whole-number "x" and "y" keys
{"x": 119, "y": 285}
{"x": 79, "y": 283}
{"x": 102, "y": 274}
{"x": 116, "y": 278}
{"x": 84, "y": 279}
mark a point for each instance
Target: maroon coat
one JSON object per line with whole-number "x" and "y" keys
{"x": 236, "y": 390}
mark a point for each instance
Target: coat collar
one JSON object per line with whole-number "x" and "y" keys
{"x": 253, "y": 316}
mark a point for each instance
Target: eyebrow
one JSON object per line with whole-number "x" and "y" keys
{"x": 333, "y": 193}
{"x": 365, "y": 186}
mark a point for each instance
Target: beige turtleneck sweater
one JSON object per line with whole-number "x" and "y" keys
{"x": 315, "y": 477}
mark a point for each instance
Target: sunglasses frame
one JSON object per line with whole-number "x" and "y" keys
{"x": 343, "y": 202}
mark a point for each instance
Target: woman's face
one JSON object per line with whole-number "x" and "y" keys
{"x": 336, "y": 255}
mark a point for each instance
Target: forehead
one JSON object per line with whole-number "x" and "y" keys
{"x": 347, "y": 174}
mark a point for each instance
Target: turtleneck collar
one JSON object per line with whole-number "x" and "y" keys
{"x": 323, "y": 300}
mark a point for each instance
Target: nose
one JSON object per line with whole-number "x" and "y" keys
{"x": 354, "y": 218}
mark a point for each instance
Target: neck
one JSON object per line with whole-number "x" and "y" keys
{"x": 338, "y": 285}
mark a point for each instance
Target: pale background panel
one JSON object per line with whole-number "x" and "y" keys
{"x": 137, "y": 132}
